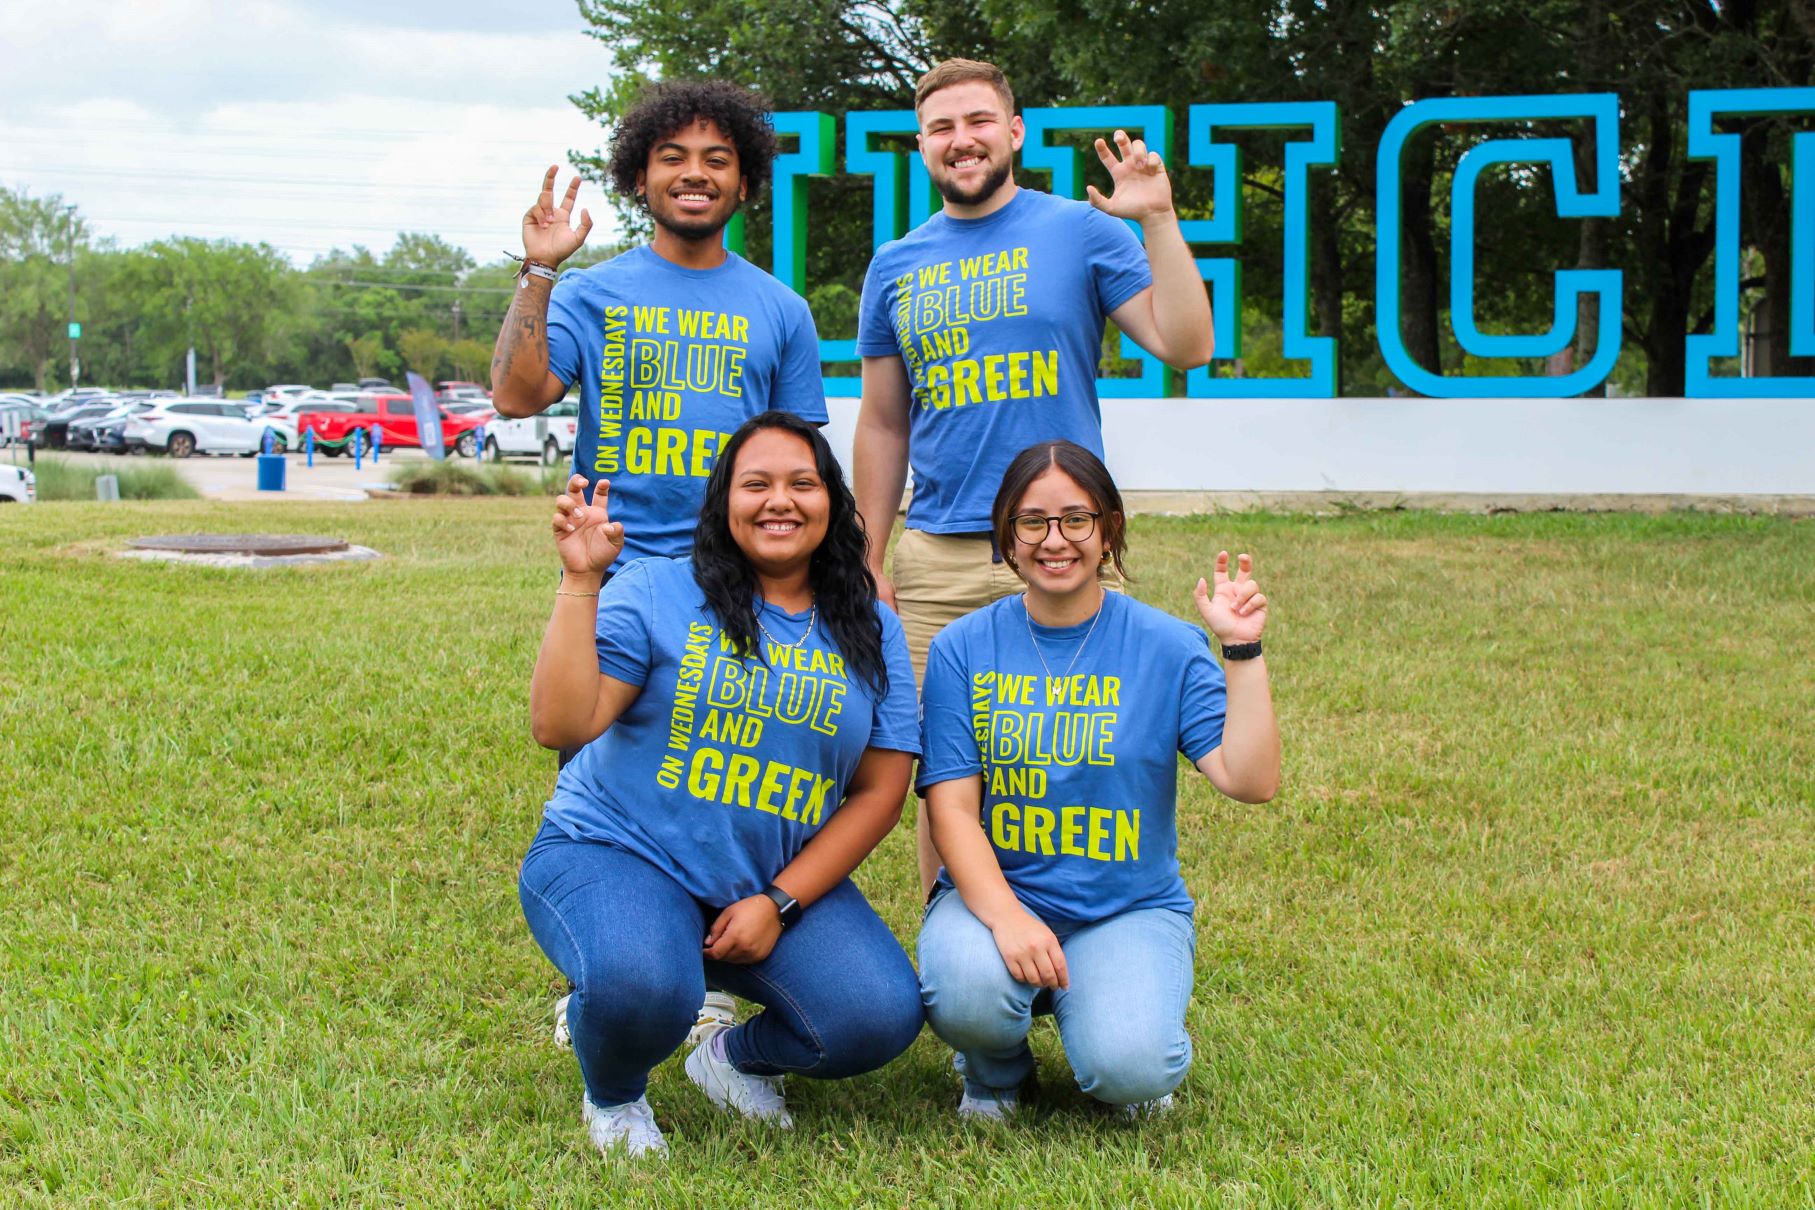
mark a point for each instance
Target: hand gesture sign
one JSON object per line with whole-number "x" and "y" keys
{"x": 1234, "y": 610}
{"x": 1140, "y": 188}
{"x": 588, "y": 540}
{"x": 548, "y": 236}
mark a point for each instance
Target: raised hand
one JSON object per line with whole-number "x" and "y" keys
{"x": 1234, "y": 610}
{"x": 1139, "y": 186}
{"x": 588, "y": 540}
{"x": 548, "y": 234}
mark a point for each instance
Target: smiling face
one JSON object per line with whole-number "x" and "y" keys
{"x": 1057, "y": 567}
{"x": 779, "y": 507}
{"x": 693, "y": 183}
{"x": 968, "y": 141}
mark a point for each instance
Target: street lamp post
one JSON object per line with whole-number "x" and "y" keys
{"x": 75, "y": 367}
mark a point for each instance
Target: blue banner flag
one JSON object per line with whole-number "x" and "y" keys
{"x": 428, "y": 416}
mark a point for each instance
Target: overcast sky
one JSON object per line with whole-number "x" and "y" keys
{"x": 307, "y": 124}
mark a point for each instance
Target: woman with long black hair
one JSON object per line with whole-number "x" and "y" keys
{"x": 748, "y": 724}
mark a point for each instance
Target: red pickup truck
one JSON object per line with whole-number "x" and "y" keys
{"x": 395, "y": 416}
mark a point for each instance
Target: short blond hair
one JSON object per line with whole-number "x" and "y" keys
{"x": 963, "y": 71}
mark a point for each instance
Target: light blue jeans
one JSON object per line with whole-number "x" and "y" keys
{"x": 1122, "y": 1020}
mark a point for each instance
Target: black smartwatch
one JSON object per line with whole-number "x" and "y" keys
{"x": 1241, "y": 651}
{"x": 786, "y": 904}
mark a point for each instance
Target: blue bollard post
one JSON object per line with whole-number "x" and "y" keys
{"x": 359, "y": 448}
{"x": 270, "y": 441}
{"x": 479, "y": 444}
{"x": 308, "y": 447}
{"x": 377, "y": 443}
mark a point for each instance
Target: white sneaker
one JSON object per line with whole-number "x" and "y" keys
{"x": 629, "y": 1127}
{"x": 563, "y": 1038}
{"x": 1157, "y": 1107}
{"x": 993, "y": 1105}
{"x": 718, "y": 1012}
{"x": 756, "y": 1097}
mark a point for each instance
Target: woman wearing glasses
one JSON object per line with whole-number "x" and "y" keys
{"x": 1051, "y": 724}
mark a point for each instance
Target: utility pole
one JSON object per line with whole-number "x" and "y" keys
{"x": 456, "y": 321}
{"x": 75, "y": 367}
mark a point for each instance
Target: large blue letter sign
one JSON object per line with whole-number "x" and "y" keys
{"x": 812, "y": 158}
{"x": 1603, "y": 111}
{"x": 1152, "y": 123}
{"x": 1723, "y": 149}
{"x": 903, "y": 198}
{"x": 1224, "y": 226}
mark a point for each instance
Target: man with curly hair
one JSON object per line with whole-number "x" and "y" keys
{"x": 674, "y": 343}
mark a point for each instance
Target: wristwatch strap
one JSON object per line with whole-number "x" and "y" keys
{"x": 786, "y": 904}
{"x": 1241, "y": 651}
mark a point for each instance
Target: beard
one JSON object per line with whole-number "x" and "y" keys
{"x": 689, "y": 226}
{"x": 958, "y": 195}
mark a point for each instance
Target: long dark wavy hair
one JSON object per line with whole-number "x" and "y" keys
{"x": 843, "y": 587}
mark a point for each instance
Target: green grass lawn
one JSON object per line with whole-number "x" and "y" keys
{"x": 1530, "y": 922}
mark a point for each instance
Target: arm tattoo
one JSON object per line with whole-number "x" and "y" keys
{"x": 521, "y": 325}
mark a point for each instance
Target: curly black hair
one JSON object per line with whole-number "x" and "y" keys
{"x": 843, "y": 588}
{"x": 667, "y": 108}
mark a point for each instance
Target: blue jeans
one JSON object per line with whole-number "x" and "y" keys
{"x": 1122, "y": 1020}
{"x": 839, "y": 995}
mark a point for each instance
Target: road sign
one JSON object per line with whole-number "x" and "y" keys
{"x": 75, "y": 331}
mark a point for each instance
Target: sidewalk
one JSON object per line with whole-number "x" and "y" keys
{"x": 233, "y": 478}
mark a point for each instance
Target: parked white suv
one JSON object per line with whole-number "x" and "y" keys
{"x": 549, "y": 436}
{"x": 17, "y": 485}
{"x": 182, "y": 427}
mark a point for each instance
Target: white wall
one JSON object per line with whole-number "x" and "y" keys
{"x": 1542, "y": 446}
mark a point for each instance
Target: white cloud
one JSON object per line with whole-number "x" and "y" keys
{"x": 267, "y": 121}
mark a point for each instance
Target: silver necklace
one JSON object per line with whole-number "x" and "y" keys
{"x": 1028, "y": 617}
{"x": 812, "y": 618}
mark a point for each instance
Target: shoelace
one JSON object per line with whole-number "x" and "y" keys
{"x": 633, "y": 1117}
{"x": 765, "y": 1091}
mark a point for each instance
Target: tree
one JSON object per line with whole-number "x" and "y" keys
{"x": 1372, "y": 58}
{"x": 223, "y": 299}
{"x": 38, "y": 239}
{"x": 365, "y": 351}
{"x": 422, "y": 351}
{"x": 471, "y": 359}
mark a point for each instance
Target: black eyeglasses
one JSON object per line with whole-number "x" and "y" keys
{"x": 1032, "y": 528}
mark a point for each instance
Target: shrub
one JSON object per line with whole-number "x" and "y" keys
{"x": 62, "y": 479}
{"x": 451, "y": 478}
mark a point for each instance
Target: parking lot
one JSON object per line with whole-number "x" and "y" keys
{"x": 228, "y": 477}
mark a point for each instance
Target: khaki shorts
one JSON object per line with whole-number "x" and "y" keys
{"x": 941, "y": 577}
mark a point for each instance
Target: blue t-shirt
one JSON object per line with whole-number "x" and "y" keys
{"x": 999, "y": 323}
{"x": 1080, "y": 769}
{"x": 722, "y": 769}
{"x": 670, "y": 361}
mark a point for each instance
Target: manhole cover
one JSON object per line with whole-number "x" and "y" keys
{"x": 241, "y": 544}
